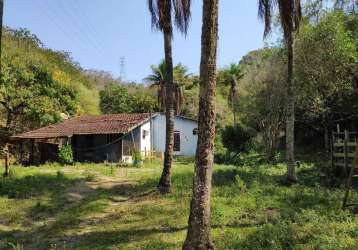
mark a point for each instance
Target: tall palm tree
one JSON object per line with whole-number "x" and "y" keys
{"x": 161, "y": 13}
{"x": 198, "y": 235}
{"x": 290, "y": 17}
{"x": 233, "y": 74}
{"x": 1, "y": 21}
{"x": 157, "y": 80}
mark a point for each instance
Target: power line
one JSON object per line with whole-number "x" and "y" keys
{"x": 79, "y": 8}
{"x": 70, "y": 25}
{"x": 75, "y": 24}
{"x": 75, "y": 17}
{"x": 54, "y": 21}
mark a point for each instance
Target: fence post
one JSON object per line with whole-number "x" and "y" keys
{"x": 332, "y": 151}
{"x": 6, "y": 173}
{"x": 346, "y": 140}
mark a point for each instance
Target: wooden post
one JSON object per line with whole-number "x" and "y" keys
{"x": 21, "y": 151}
{"x": 346, "y": 140}
{"x": 32, "y": 152}
{"x": 332, "y": 151}
{"x": 6, "y": 173}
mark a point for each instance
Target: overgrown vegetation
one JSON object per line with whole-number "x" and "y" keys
{"x": 40, "y": 86}
{"x": 65, "y": 155}
{"x": 87, "y": 206}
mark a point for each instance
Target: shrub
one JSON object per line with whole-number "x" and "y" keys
{"x": 237, "y": 138}
{"x": 65, "y": 155}
{"x": 137, "y": 158}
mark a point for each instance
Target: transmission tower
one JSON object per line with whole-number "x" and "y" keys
{"x": 123, "y": 68}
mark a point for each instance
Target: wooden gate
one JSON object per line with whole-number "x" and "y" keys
{"x": 343, "y": 147}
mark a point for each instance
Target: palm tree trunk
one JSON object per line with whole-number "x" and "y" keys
{"x": 290, "y": 119}
{"x": 198, "y": 235}
{"x": 1, "y": 20}
{"x": 165, "y": 180}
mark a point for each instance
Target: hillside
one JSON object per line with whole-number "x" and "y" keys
{"x": 40, "y": 84}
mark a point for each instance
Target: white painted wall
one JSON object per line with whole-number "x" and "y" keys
{"x": 185, "y": 126}
{"x": 145, "y": 142}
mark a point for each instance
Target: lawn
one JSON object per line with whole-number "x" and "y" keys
{"x": 106, "y": 207}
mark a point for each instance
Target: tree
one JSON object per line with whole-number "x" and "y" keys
{"x": 263, "y": 97}
{"x": 1, "y": 21}
{"x": 232, "y": 74}
{"x": 143, "y": 102}
{"x": 161, "y": 13}
{"x": 30, "y": 97}
{"x": 157, "y": 80}
{"x": 324, "y": 53}
{"x": 198, "y": 235}
{"x": 114, "y": 99}
{"x": 290, "y": 16}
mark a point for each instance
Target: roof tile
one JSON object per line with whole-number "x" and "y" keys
{"x": 88, "y": 124}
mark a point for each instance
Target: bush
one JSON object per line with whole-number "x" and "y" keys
{"x": 231, "y": 142}
{"x": 237, "y": 138}
{"x": 65, "y": 155}
{"x": 137, "y": 158}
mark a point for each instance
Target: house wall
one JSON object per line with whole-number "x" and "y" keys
{"x": 96, "y": 148}
{"x": 145, "y": 137}
{"x": 188, "y": 141}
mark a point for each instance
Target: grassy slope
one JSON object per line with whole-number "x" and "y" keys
{"x": 54, "y": 207}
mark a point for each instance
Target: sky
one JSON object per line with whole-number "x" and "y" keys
{"x": 98, "y": 33}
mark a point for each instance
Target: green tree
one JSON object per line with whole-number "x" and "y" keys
{"x": 263, "y": 97}
{"x": 30, "y": 97}
{"x": 157, "y": 80}
{"x": 161, "y": 13}
{"x": 143, "y": 102}
{"x": 114, "y": 99}
{"x": 290, "y": 16}
{"x": 230, "y": 76}
{"x": 325, "y": 53}
{"x": 1, "y": 29}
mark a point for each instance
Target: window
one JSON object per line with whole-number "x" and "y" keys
{"x": 145, "y": 133}
{"x": 176, "y": 141}
{"x": 195, "y": 131}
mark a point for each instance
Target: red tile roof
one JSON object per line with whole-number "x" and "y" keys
{"x": 89, "y": 124}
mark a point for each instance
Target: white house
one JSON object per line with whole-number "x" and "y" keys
{"x": 111, "y": 138}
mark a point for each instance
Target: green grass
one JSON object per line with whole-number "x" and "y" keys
{"x": 89, "y": 206}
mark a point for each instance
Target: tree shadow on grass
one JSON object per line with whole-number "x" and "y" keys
{"x": 63, "y": 214}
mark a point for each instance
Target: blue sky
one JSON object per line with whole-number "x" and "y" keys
{"x": 99, "y": 32}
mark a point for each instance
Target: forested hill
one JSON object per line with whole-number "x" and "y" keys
{"x": 40, "y": 85}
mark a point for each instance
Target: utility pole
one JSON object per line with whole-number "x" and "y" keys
{"x": 123, "y": 68}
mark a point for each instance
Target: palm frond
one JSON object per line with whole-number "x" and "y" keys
{"x": 160, "y": 11}
{"x": 265, "y": 14}
{"x": 182, "y": 14}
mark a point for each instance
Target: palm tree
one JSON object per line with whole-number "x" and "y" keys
{"x": 233, "y": 74}
{"x": 161, "y": 13}
{"x": 1, "y": 19}
{"x": 157, "y": 80}
{"x": 290, "y": 16}
{"x": 198, "y": 235}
